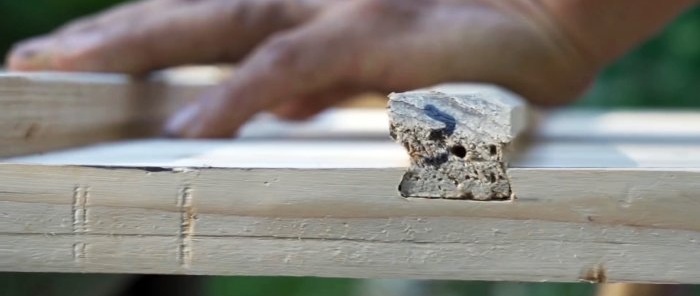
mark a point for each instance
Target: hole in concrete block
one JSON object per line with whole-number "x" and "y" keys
{"x": 493, "y": 150}
{"x": 459, "y": 151}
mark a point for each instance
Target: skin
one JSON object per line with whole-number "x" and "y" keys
{"x": 298, "y": 57}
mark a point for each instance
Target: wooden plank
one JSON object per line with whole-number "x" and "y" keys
{"x": 566, "y": 124}
{"x": 354, "y": 224}
{"x": 47, "y": 111}
{"x": 621, "y": 125}
{"x": 329, "y": 154}
{"x": 605, "y": 211}
{"x": 597, "y": 200}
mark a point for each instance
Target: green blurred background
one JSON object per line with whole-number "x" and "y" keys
{"x": 664, "y": 72}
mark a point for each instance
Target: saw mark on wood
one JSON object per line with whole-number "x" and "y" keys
{"x": 187, "y": 224}
{"x": 79, "y": 252}
{"x": 79, "y": 221}
{"x": 79, "y": 217}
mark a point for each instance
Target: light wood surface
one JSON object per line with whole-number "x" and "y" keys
{"x": 348, "y": 223}
{"x": 46, "y": 111}
{"x": 585, "y": 125}
{"x": 331, "y": 154}
{"x": 590, "y": 207}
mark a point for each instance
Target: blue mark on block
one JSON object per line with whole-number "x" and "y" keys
{"x": 433, "y": 112}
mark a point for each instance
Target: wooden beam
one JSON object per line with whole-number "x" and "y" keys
{"x": 586, "y": 210}
{"x": 574, "y": 125}
{"x": 596, "y": 199}
{"x": 47, "y": 111}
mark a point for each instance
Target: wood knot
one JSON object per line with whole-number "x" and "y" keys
{"x": 595, "y": 274}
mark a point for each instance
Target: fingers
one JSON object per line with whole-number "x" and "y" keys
{"x": 299, "y": 110}
{"x": 127, "y": 11}
{"x": 156, "y": 34}
{"x": 304, "y": 108}
{"x": 40, "y": 53}
{"x": 334, "y": 52}
{"x": 305, "y": 63}
{"x": 35, "y": 53}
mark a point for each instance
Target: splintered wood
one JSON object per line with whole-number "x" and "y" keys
{"x": 456, "y": 136}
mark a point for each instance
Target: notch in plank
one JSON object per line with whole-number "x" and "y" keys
{"x": 457, "y": 137}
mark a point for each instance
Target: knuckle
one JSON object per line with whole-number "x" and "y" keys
{"x": 87, "y": 56}
{"x": 241, "y": 13}
{"x": 254, "y": 14}
{"x": 379, "y": 6}
{"x": 278, "y": 11}
{"x": 79, "y": 25}
{"x": 74, "y": 59}
{"x": 392, "y": 15}
{"x": 392, "y": 7}
{"x": 284, "y": 51}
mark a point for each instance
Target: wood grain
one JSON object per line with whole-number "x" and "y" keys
{"x": 314, "y": 208}
{"x": 582, "y": 125}
{"x": 47, "y": 111}
{"x": 601, "y": 197}
{"x": 354, "y": 224}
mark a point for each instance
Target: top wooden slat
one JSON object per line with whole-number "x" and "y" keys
{"x": 592, "y": 205}
{"x": 47, "y": 111}
{"x": 569, "y": 124}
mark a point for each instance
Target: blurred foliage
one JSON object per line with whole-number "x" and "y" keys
{"x": 664, "y": 72}
{"x": 263, "y": 286}
{"x": 283, "y": 286}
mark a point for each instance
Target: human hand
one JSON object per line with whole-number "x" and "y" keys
{"x": 298, "y": 57}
